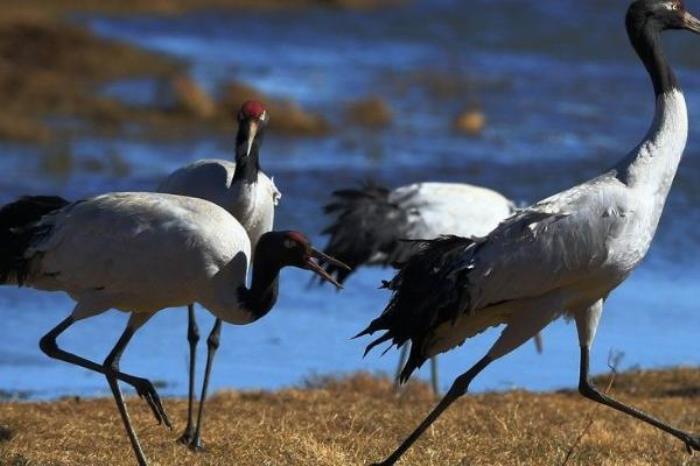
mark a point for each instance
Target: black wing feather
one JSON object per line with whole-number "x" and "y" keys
{"x": 366, "y": 225}
{"x": 428, "y": 290}
{"x": 18, "y": 231}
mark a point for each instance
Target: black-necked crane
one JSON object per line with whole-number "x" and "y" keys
{"x": 250, "y": 196}
{"x": 375, "y": 226}
{"x": 140, "y": 253}
{"x": 560, "y": 257}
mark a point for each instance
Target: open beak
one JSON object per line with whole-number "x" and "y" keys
{"x": 691, "y": 23}
{"x": 314, "y": 266}
{"x": 252, "y": 131}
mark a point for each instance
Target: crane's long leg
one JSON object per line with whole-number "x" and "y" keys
{"x": 523, "y": 326}
{"x": 692, "y": 442}
{"x": 144, "y": 387}
{"x": 111, "y": 365}
{"x": 212, "y": 345}
{"x": 193, "y": 339}
{"x": 458, "y": 388}
{"x": 587, "y": 324}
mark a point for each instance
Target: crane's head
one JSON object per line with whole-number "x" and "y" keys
{"x": 292, "y": 248}
{"x": 662, "y": 15}
{"x": 252, "y": 120}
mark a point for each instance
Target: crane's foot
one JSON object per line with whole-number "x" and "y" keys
{"x": 196, "y": 446}
{"x": 187, "y": 436}
{"x": 692, "y": 443}
{"x": 386, "y": 462}
{"x": 147, "y": 391}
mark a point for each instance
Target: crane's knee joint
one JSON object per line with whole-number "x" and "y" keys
{"x": 213, "y": 342}
{"x": 48, "y": 345}
{"x": 586, "y": 389}
{"x": 193, "y": 333}
{"x": 111, "y": 365}
{"x": 460, "y": 386}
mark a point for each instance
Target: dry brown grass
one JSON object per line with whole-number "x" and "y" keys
{"x": 360, "y": 419}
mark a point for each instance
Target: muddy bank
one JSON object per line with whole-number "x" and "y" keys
{"x": 52, "y": 76}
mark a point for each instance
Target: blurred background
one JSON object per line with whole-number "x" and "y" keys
{"x": 525, "y": 97}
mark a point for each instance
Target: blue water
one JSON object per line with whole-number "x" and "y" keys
{"x": 564, "y": 97}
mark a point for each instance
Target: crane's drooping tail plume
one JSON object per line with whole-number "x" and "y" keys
{"x": 427, "y": 290}
{"x": 367, "y": 229}
{"x": 18, "y": 232}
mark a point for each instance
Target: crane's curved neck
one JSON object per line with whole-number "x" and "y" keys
{"x": 247, "y": 166}
{"x": 652, "y": 165}
{"x": 264, "y": 288}
{"x": 645, "y": 35}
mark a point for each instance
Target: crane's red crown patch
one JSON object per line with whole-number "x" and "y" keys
{"x": 252, "y": 109}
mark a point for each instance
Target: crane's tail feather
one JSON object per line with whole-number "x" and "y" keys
{"x": 366, "y": 229}
{"x": 427, "y": 291}
{"x": 18, "y": 231}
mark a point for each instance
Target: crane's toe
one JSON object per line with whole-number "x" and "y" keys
{"x": 147, "y": 391}
{"x": 196, "y": 447}
{"x": 692, "y": 443}
{"x": 187, "y": 436}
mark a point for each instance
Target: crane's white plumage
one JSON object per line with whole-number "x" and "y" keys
{"x": 371, "y": 222}
{"x": 180, "y": 250}
{"x": 253, "y": 204}
{"x": 564, "y": 253}
{"x": 436, "y": 209}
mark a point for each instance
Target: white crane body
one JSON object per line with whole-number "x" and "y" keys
{"x": 253, "y": 204}
{"x": 180, "y": 249}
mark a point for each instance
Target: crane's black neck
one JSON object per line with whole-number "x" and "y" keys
{"x": 264, "y": 289}
{"x": 645, "y": 34}
{"x": 247, "y": 165}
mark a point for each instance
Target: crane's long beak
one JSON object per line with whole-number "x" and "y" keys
{"x": 252, "y": 131}
{"x": 691, "y": 23}
{"x": 314, "y": 266}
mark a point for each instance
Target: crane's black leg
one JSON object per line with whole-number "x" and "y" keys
{"x": 193, "y": 339}
{"x": 143, "y": 387}
{"x": 111, "y": 365}
{"x": 458, "y": 388}
{"x": 692, "y": 442}
{"x": 212, "y": 345}
{"x": 539, "y": 343}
